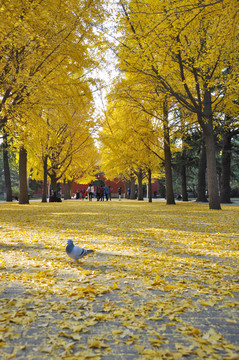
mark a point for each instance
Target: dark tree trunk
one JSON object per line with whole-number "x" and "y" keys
{"x": 44, "y": 194}
{"x": 53, "y": 182}
{"x": 140, "y": 184}
{"x": 184, "y": 177}
{"x": 226, "y": 168}
{"x": 213, "y": 188}
{"x": 69, "y": 187}
{"x": 167, "y": 154}
{"x": 126, "y": 186}
{"x": 202, "y": 166}
{"x": 150, "y": 185}
{"x": 7, "y": 175}
{"x": 23, "y": 194}
{"x": 65, "y": 187}
{"x": 213, "y": 191}
{"x": 132, "y": 188}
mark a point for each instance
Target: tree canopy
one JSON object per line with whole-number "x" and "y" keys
{"x": 45, "y": 65}
{"x": 178, "y": 66}
{"x": 188, "y": 53}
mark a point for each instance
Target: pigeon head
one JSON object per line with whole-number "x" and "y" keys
{"x": 70, "y": 246}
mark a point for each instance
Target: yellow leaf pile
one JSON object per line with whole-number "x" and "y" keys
{"x": 162, "y": 283}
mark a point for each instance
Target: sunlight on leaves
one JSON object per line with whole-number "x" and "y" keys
{"x": 162, "y": 282}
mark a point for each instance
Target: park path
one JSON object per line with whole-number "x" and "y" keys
{"x": 146, "y": 293}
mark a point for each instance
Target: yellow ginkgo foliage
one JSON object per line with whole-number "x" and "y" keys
{"x": 188, "y": 53}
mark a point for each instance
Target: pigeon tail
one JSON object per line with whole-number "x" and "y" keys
{"x": 85, "y": 252}
{"x": 89, "y": 251}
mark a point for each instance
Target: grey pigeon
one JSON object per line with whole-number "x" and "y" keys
{"x": 76, "y": 252}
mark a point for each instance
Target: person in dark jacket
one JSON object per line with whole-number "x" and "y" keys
{"x": 119, "y": 192}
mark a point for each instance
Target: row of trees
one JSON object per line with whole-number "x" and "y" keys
{"x": 177, "y": 80}
{"x": 179, "y": 65}
{"x": 48, "y": 51}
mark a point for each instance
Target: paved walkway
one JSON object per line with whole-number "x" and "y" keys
{"x": 147, "y": 297}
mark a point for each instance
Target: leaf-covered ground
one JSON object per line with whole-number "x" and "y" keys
{"x": 163, "y": 282}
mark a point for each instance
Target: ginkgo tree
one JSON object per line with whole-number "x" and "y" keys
{"x": 62, "y": 146}
{"x": 129, "y": 143}
{"x": 45, "y": 47}
{"x": 228, "y": 129}
{"x": 184, "y": 47}
{"x": 151, "y": 117}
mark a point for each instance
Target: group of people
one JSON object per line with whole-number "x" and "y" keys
{"x": 81, "y": 194}
{"x": 55, "y": 197}
{"x": 102, "y": 193}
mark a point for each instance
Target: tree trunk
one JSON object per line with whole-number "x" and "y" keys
{"x": 167, "y": 154}
{"x": 65, "y": 187}
{"x": 23, "y": 195}
{"x": 44, "y": 193}
{"x": 202, "y": 166}
{"x": 213, "y": 188}
{"x": 150, "y": 185}
{"x": 132, "y": 188}
{"x": 53, "y": 182}
{"x": 140, "y": 184}
{"x": 226, "y": 168}
{"x": 7, "y": 175}
{"x": 214, "y": 199}
{"x": 184, "y": 177}
{"x": 69, "y": 189}
{"x": 125, "y": 189}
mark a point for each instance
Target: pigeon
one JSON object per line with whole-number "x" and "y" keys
{"x": 76, "y": 252}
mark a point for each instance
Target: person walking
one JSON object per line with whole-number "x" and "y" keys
{"x": 98, "y": 193}
{"x": 120, "y": 192}
{"x": 102, "y": 193}
{"x": 129, "y": 192}
{"x": 106, "y": 192}
{"x": 90, "y": 191}
{"x": 110, "y": 192}
{"x": 77, "y": 194}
